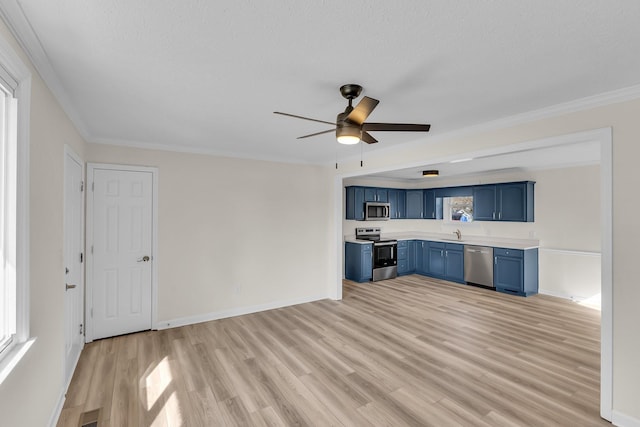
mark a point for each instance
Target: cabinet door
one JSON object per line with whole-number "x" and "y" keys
{"x": 415, "y": 204}
{"x": 411, "y": 256}
{"x": 355, "y": 203}
{"x": 508, "y": 273}
{"x": 382, "y": 195}
{"x": 436, "y": 260}
{"x": 429, "y": 204}
{"x": 512, "y": 199}
{"x": 370, "y": 194}
{"x": 420, "y": 250}
{"x": 398, "y": 203}
{"x": 358, "y": 262}
{"x": 484, "y": 203}
{"x": 454, "y": 264}
{"x": 366, "y": 273}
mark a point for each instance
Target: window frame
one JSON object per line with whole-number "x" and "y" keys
{"x": 13, "y": 68}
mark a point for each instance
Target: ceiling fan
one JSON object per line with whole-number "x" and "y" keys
{"x": 350, "y": 126}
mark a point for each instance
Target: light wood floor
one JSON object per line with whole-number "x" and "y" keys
{"x": 409, "y": 351}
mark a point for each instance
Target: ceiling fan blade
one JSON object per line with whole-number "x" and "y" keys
{"x": 317, "y": 133}
{"x": 361, "y": 111}
{"x": 303, "y": 118}
{"x": 368, "y": 138}
{"x": 395, "y": 127}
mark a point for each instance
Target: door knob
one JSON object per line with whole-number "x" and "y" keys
{"x": 144, "y": 258}
{"x": 68, "y": 286}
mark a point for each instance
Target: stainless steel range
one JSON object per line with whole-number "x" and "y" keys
{"x": 385, "y": 253}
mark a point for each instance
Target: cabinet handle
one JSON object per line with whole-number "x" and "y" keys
{"x": 441, "y": 254}
{"x": 500, "y": 215}
{"x": 495, "y": 260}
{"x": 493, "y": 216}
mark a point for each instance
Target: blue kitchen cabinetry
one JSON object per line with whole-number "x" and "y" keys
{"x": 406, "y": 257}
{"x": 397, "y": 201}
{"x": 429, "y": 197}
{"x": 515, "y": 271}
{"x": 422, "y": 257}
{"x": 355, "y": 203}
{"x": 358, "y": 261}
{"x": 446, "y": 261}
{"x": 373, "y": 194}
{"x": 504, "y": 202}
{"x": 415, "y": 204}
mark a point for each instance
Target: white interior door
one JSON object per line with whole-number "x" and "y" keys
{"x": 121, "y": 259}
{"x": 73, "y": 259}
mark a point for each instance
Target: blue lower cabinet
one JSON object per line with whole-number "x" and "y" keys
{"x": 454, "y": 262}
{"x": 436, "y": 259}
{"x": 515, "y": 271}
{"x": 406, "y": 257}
{"x": 422, "y": 257}
{"x": 358, "y": 261}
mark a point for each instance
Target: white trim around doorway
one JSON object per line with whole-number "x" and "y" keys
{"x": 602, "y": 136}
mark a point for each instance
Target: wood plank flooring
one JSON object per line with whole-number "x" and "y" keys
{"x": 409, "y": 351}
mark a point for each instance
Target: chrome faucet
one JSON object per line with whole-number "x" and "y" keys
{"x": 458, "y": 234}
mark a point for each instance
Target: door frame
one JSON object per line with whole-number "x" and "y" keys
{"x": 91, "y": 167}
{"x": 604, "y": 136}
{"x": 68, "y": 151}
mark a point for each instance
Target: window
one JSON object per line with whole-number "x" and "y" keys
{"x": 15, "y": 98}
{"x": 8, "y": 163}
{"x": 458, "y": 208}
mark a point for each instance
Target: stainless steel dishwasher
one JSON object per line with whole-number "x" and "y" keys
{"x": 478, "y": 265}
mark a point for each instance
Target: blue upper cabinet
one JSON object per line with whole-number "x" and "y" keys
{"x": 484, "y": 203}
{"x": 504, "y": 202}
{"x": 355, "y": 203}
{"x": 397, "y": 200}
{"x": 415, "y": 204}
{"x": 515, "y": 202}
{"x": 372, "y": 194}
{"x": 429, "y": 197}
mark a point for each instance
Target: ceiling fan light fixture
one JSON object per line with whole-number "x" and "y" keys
{"x": 430, "y": 173}
{"x": 348, "y": 135}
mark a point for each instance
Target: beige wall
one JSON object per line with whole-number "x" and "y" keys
{"x": 567, "y": 222}
{"x": 622, "y": 118}
{"x": 29, "y": 394}
{"x": 234, "y": 233}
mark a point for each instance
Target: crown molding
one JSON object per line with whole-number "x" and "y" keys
{"x": 600, "y": 100}
{"x": 13, "y": 16}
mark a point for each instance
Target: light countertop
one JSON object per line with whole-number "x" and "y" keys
{"x": 496, "y": 242}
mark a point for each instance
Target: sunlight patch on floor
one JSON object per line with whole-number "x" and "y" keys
{"x": 592, "y": 302}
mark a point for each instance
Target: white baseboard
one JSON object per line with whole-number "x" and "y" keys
{"x": 55, "y": 416}
{"x": 623, "y": 420}
{"x": 560, "y": 295}
{"x": 190, "y": 320}
{"x": 53, "y": 421}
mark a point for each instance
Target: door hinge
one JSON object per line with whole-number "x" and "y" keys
{"x": 81, "y": 186}
{"x": 81, "y": 328}
{"x": 93, "y": 186}
{"x": 81, "y": 257}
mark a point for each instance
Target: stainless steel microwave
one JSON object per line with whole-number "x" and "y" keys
{"x": 376, "y": 211}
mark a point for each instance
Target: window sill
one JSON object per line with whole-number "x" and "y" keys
{"x": 10, "y": 360}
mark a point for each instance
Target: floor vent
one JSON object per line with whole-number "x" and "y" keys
{"x": 90, "y": 419}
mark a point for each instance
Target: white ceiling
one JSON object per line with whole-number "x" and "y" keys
{"x": 522, "y": 160}
{"x": 205, "y": 76}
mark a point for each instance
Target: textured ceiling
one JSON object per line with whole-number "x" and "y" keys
{"x": 206, "y": 76}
